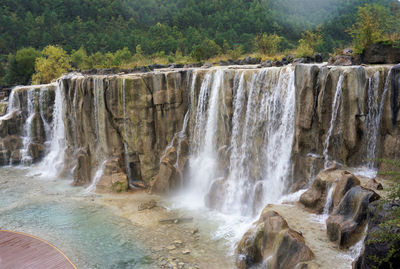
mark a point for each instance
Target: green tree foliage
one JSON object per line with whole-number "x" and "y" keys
{"x": 21, "y": 66}
{"x": 79, "y": 59}
{"x": 206, "y": 50}
{"x": 309, "y": 43}
{"x": 386, "y": 231}
{"x": 374, "y": 23}
{"x": 54, "y": 63}
{"x": 267, "y": 44}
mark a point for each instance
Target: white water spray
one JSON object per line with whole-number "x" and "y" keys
{"x": 335, "y": 112}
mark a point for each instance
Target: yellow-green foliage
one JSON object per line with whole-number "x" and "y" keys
{"x": 374, "y": 23}
{"x": 308, "y": 43}
{"x": 267, "y": 44}
{"x": 54, "y": 63}
{"x": 236, "y": 52}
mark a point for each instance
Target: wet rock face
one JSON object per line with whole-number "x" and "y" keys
{"x": 345, "y": 225}
{"x": 380, "y": 248}
{"x": 346, "y": 182}
{"x": 349, "y": 138}
{"x": 314, "y": 198}
{"x": 381, "y": 54}
{"x": 113, "y": 179}
{"x": 271, "y": 241}
{"x": 32, "y": 107}
{"x": 132, "y": 117}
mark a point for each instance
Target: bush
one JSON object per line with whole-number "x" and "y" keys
{"x": 236, "y": 52}
{"x": 387, "y": 233}
{"x": 374, "y": 23}
{"x": 54, "y": 63}
{"x": 309, "y": 43}
{"x": 21, "y": 66}
{"x": 79, "y": 59}
{"x": 267, "y": 44}
{"x": 206, "y": 50}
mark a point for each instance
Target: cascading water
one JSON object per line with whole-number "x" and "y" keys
{"x": 27, "y": 129}
{"x": 44, "y": 99}
{"x": 52, "y": 165}
{"x": 335, "y": 112}
{"x": 260, "y": 143}
{"x": 374, "y": 117}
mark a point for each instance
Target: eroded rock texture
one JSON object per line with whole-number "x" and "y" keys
{"x": 364, "y": 98}
{"x": 272, "y": 243}
{"x": 25, "y": 125}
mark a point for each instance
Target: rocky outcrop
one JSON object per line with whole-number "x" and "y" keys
{"x": 132, "y": 118}
{"x": 345, "y": 225}
{"x": 112, "y": 178}
{"x": 381, "y": 53}
{"x": 382, "y": 245}
{"x": 314, "y": 199}
{"x": 346, "y": 182}
{"x": 271, "y": 242}
{"x": 173, "y": 165}
{"x": 350, "y": 135}
{"x": 135, "y": 117}
{"x": 23, "y": 128}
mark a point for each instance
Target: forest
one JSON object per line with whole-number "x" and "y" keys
{"x": 172, "y": 29}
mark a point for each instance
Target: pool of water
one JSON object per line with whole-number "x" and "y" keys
{"x": 88, "y": 233}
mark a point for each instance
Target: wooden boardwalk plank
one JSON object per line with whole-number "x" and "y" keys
{"x": 22, "y": 251}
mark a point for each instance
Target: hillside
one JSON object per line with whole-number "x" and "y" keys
{"x": 109, "y": 25}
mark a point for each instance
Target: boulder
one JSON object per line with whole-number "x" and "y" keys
{"x": 251, "y": 60}
{"x": 346, "y": 182}
{"x": 267, "y": 63}
{"x": 271, "y": 241}
{"x": 318, "y": 58}
{"x": 82, "y": 170}
{"x": 163, "y": 182}
{"x": 117, "y": 182}
{"x": 315, "y": 197}
{"x": 343, "y": 60}
{"x": 386, "y": 250}
{"x": 381, "y": 53}
{"x": 345, "y": 225}
{"x": 373, "y": 184}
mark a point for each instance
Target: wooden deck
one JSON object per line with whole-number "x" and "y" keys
{"x": 22, "y": 251}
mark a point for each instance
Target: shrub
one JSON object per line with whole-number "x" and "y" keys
{"x": 54, "y": 63}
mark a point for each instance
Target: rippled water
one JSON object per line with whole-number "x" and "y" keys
{"x": 89, "y": 234}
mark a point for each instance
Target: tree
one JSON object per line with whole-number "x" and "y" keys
{"x": 309, "y": 43}
{"x": 79, "y": 58}
{"x": 372, "y": 24}
{"x": 54, "y": 63}
{"x": 267, "y": 44}
{"x": 122, "y": 56}
{"x": 207, "y": 49}
{"x": 21, "y": 66}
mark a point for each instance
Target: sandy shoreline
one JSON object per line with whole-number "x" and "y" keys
{"x": 172, "y": 245}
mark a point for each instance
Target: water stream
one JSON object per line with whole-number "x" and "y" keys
{"x": 91, "y": 235}
{"x": 335, "y": 112}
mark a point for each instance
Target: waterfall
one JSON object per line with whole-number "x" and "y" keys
{"x": 44, "y": 99}
{"x": 13, "y": 103}
{"x": 374, "y": 117}
{"x": 97, "y": 176}
{"x": 53, "y": 164}
{"x": 335, "y": 111}
{"x": 203, "y": 160}
{"x": 258, "y": 161}
{"x": 27, "y": 128}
